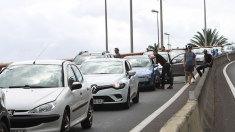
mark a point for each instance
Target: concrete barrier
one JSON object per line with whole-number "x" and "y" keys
{"x": 198, "y": 115}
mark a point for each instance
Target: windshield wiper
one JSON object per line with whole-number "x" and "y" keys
{"x": 27, "y": 86}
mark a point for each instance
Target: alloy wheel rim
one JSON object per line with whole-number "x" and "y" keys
{"x": 90, "y": 114}
{"x": 66, "y": 127}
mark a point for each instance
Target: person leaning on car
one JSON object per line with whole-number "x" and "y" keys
{"x": 165, "y": 68}
{"x": 208, "y": 60}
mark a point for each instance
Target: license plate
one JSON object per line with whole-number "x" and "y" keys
{"x": 143, "y": 79}
{"x": 98, "y": 101}
{"x": 19, "y": 130}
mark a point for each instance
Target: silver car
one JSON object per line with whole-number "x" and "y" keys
{"x": 113, "y": 81}
{"x": 45, "y": 96}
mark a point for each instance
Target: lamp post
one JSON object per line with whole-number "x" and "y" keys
{"x": 205, "y": 31}
{"x": 161, "y": 23}
{"x": 157, "y": 25}
{"x": 106, "y": 27}
{"x": 131, "y": 27}
{"x": 168, "y": 38}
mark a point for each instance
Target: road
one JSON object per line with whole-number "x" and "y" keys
{"x": 112, "y": 118}
{"x": 225, "y": 108}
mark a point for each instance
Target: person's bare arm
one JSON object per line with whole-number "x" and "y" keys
{"x": 195, "y": 62}
{"x": 184, "y": 62}
{"x": 152, "y": 57}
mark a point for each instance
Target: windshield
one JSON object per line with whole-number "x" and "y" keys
{"x": 164, "y": 55}
{"x": 105, "y": 67}
{"x": 81, "y": 58}
{"x": 139, "y": 62}
{"x": 33, "y": 76}
{"x": 174, "y": 53}
{"x": 228, "y": 47}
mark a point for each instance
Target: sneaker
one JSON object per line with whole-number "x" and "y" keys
{"x": 162, "y": 87}
{"x": 170, "y": 87}
{"x": 194, "y": 81}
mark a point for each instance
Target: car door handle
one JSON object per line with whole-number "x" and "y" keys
{"x": 80, "y": 93}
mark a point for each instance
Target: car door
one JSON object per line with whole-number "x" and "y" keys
{"x": 75, "y": 94}
{"x": 131, "y": 79}
{"x": 84, "y": 90}
{"x": 176, "y": 68}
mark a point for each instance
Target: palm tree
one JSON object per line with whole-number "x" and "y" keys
{"x": 213, "y": 39}
{"x": 153, "y": 47}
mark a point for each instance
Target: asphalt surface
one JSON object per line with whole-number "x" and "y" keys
{"x": 225, "y": 102}
{"x": 112, "y": 118}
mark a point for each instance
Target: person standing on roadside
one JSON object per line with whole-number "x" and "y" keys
{"x": 189, "y": 59}
{"x": 118, "y": 55}
{"x": 194, "y": 79}
{"x": 208, "y": 60}
{"x": 165, "y": 69}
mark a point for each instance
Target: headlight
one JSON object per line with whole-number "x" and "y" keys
{"x": 119, "y": 85}
{"x": 44, "y": 108}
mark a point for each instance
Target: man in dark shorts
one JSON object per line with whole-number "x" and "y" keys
{"x": 165, "y": 69}
{"x": 118, "y": 55}
{"x": 208, "y": 60}
{"x": 189, "y": 58}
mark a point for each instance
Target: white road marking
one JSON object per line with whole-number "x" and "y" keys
{"x": 151, "y": 117}
{"x": 228, "y": 79}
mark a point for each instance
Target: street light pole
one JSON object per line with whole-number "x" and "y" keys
{"x": 106, "y": 27}
{"x": 131, "y": 26}
{"x": 168, "y": 37}
{"x": 161, "y": 23}
{"x": 157, "y": 25}
{"x": 205, "y": 31}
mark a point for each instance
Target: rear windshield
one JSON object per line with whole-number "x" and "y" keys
{"x": 81, "y": 58}
{"x": 34, "y": 76}
{"x": 139, "y": 62}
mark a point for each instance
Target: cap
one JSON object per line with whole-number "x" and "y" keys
{"x": 190, "y": 47}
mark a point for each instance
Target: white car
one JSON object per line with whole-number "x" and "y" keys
{"x": 46, "y": 96}
{"x": 112, "y": 80}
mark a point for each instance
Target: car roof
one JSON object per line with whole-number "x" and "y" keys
{"x": 104, "y": 59}
{"x": 137, "y": 56}
{"x": 55, "y": 62}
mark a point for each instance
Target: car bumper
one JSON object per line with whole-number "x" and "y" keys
{"x": 112, "y": 96}
{"x": 145, "y": 82}
{"x": 36, "y": 123}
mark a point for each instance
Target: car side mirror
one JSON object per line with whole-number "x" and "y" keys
{"x": 155, "y": 65}
{"x": 76, "y": 85}
{"x": 132, "y": 73}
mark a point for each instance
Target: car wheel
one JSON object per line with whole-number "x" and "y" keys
{"x": 65, "y": 127}
{"x": 127, "y": 105}
{"x": 158, "y": 82}
{"x": 154, "y": 85}
{"x": 3, "y": 127}
{"x": 87, "y": 123}
{"x": 136, "y": 99}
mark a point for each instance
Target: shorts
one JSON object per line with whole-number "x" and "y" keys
{"x": 189, "y": 68}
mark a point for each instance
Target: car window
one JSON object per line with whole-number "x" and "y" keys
{"x": 71, "y": 76}
{"x": 102, "y": 67}
{"x": 129, "y": 65}
{"x": 34, "y": 76}
{"x": 81, "y": 58}
{"x": 140, "y": 62}
{"x": 77, "y": 73}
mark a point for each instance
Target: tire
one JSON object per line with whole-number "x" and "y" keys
{"x": 127, "y": 104}
{"x": 136, "y": 99}
{"x": 87, "y": 123}
{"x": 159, "y": 82}
{"x": 3, "y": 127}
{"x": 154, "y": 86}
{"x": 65, "y": 126}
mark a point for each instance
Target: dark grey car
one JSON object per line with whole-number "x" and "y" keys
{"x": 4, "y": 117}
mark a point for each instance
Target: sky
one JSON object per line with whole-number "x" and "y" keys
{"x": 71, "y": 26}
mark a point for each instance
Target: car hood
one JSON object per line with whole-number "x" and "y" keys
{"x": 27, "y": 99}
{"x": 103, "y": 79}
{"x": 143, "y": 71}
